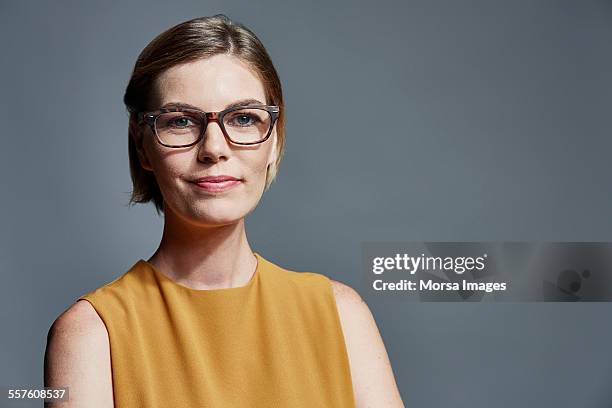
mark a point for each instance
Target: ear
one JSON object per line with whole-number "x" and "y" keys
{"x": 137, "y": 132}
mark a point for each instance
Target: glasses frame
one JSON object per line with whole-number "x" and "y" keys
{"x": 150, "y": 118}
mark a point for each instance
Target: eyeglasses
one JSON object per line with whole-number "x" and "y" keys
{"x": 184, "y": 127}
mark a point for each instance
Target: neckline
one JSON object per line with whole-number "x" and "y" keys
{"x": 236, "y": 289}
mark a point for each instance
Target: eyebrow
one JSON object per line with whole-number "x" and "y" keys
{"x": 242, "y": 102}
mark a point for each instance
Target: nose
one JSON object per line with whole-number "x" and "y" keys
{"x": 213, "y": 146}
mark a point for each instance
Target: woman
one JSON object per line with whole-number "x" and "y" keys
{"x": 206, "y": 321}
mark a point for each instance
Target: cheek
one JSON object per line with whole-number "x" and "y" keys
{"x": 167, "y": 166}
{"x": 165, "y": 169}
{"x": 256, "y": 168}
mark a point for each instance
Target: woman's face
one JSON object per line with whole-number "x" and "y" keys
{"x": 210, "y": 85}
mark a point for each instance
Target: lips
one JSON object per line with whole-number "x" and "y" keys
{"x": 217, "y": 184}
{"x": 215, "y": 179}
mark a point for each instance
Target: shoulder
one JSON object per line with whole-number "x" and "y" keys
{"x": 77, "y": 355}
{"x": 294, "y": 279}
{"x": 114, "y": 293}
{"x": 346, "y": 295}
{"x": 354, "y": 313}
{"x": 80, "y": 317}
{"x": 78, "y": 328}
{"x": 366, "y": 350}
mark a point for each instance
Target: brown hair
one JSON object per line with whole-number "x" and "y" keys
{"x": 195, "y": 39}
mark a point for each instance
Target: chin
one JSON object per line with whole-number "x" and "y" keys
{"x": 217, "y": 215}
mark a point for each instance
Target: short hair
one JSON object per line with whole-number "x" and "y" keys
{"x": 192, "y": 40}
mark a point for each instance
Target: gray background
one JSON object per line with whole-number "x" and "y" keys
{"x": 414, "y": 121}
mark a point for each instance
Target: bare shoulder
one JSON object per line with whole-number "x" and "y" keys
{"x": 346, "y": 294}
{"x": 77, "y": 356}
{"x": 79, "y": 326}
{"x": 79, "y": 317}
{"x": 373, "y": 379}
{"x": 352, "y": 308}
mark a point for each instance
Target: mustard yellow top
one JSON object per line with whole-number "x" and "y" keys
{"x": 275, "y": 342}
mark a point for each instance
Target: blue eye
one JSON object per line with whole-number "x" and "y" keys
{"x": 182, "y": 121}
{"x": 244, "y": 120}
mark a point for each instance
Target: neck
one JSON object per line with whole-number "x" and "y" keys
{"x": 204, "y": 257}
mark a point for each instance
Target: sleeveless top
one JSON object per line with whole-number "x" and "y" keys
{"x": 275, "y": 342}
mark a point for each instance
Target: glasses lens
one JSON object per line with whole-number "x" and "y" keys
{"x": 178, "y": 128}
{"x": 247, "y": 125}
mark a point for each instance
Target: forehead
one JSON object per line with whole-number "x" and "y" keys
{"x": 211, "y": 83}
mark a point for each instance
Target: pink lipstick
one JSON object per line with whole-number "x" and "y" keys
{"x": 217, "y": 184}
